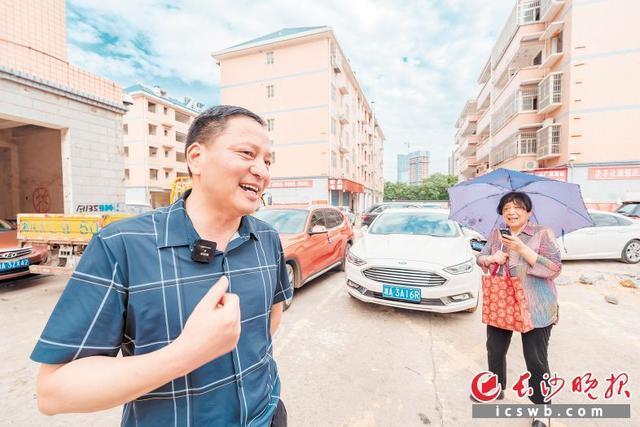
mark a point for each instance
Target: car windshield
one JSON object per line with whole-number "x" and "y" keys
{"x": 4, "y": 226}
{"x": 422, "y": 224}
{"x": 285, "y": 221}
{"x": 627, "y": 209}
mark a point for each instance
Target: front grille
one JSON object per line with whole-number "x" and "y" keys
{"x": 403, "y": 276}
{"x": 14, "y": 253}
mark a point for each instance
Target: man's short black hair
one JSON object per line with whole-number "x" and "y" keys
{"x": 212, "y": 122}
{"x": 518, "y": 198}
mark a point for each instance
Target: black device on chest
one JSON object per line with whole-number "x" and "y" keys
{"x": 203, "y": 251}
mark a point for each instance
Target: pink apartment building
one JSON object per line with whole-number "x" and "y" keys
{"x": 155, "y": 130}
{"x": 559, "y": 96}
{"x": 60, "y": 126}
{"x": 327, "y": 143}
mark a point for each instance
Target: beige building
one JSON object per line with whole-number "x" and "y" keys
{"x": 327, "y": 143}
{"x": 155, "y": 131}
{"x": 559, "y": 97}
{"x": 418, "y": 167}
{"x": 60, "y": 126}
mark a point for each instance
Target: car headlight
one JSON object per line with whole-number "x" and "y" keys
{"x": 354, "y": 259}
{"x": 463, "y": 267}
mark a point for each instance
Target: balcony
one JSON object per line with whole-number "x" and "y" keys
{"x": 469, "y": 125}
{"x": 483, "y": 127}
{"x": 483, "y": 150}
{"x": 341, "y": 84}
{"x": 468, "y": 165}
{"x": 522, "y": 101}
{"x": 468, "y": 144}
{"x": 469, "y": 109}
{"x": 549, "y": 9}
{"x": 550, "y": 93}
{"x": 548, "y": 142}
{"x": 555, "y": 51}
{"x": 521, "y": 143}
{"x": 335, "y": 64}
{"x": 343, "y": 119}
{"x": 524, "y": 12}
{"x": 484, "y": 97}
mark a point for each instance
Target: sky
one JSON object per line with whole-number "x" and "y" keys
{"x": 418, "y": 60}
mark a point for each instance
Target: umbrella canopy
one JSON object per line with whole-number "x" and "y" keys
{"x": 556, "y": 204}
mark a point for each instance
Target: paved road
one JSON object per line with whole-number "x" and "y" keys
{"x": 346, "y": 363}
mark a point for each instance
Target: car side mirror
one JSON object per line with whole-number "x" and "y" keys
{"x": 318, "y": 229}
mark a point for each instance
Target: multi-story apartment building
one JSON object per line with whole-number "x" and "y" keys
{"x": 557, "y": 98}
{"x": 155, "y": 131}
{"x": 418, "y": 167}
{"x": 327, "y": 143}
{"x": 403, "y": 169}
{"x": 60, "y": 126}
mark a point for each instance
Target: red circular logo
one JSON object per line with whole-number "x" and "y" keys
{"x": 485, "y": 386}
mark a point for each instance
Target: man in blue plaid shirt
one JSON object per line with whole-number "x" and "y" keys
{"x": 194, "y": 354}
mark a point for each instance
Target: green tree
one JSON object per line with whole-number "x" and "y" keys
{"x": 432, "y": 188}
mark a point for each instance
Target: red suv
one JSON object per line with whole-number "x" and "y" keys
{"x": 14, "y": 259}
{"x": 315, "y": 239}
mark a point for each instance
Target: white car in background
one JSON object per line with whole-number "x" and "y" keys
{"x": 415, "y": 259}
{"x": 614, "y": 236}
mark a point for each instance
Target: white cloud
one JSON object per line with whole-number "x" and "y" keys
{"x": 445, "y": 44}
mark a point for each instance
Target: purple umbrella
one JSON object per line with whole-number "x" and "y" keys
{"x": 556, "y": 204}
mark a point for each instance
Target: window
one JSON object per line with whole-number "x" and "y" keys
{"x": 181, "y": 137}
{"x": 153, "y": 174}
{"x": 317, "y": 219}
{"x": 153, "y": 151}
{"x": 151, "y": 107}
{"x": 126, "y": 151}
{"x": 604, "y": 220}
{"x": 166, "y": 154}
{"x": 334, "y": 159}
{"x": 270, "y": 124}
{"x": 165, "y": 131}
{"x": 165, "y": 110}
{"x": 538, "y": 59}
{"x": 556, "y": 43}
{"x": 334, "y": 127}
{"x": 269, "y": 91}
{"x": 180, "y": 157}
{"x": 126, "y": 174}
{"x": 125, "y": 129}
{"x": 333, "y": 218}
{"x": 269, "y": 58}
{"x": 167, "y": 174}
{"x": 334, "y": 93}
{"x": 152, "y": 129}
{"x": 273, "y": 156}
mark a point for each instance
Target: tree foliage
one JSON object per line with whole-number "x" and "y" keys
{"x": 432, "y": 188}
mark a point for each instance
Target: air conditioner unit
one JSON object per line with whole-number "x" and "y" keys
{"x": 530, "y": 165}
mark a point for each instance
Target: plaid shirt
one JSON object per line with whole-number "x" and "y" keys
{"x": 135, "y": 287}
{"x": 537, "y": 280}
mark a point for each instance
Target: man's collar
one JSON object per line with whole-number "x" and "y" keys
{"x": 174, "y": 228}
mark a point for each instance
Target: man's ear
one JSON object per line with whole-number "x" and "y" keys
{"x": 194, "y": 157}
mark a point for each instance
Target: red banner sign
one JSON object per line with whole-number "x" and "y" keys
{"x": 614, "y": 172}
{"x": 559, "y": 174}
{"x": 292, "y": 183}
{"x": 342, "y": 184}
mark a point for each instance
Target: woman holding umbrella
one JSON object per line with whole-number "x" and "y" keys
{"x": 531, "y": 253}
{"x": 521, "y": 214}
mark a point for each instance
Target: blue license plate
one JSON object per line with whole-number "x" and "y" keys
{"x": 401, "y": 293}
{"x": 14, "y": 265}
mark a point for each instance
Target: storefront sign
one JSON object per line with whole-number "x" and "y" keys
{"x": 614, "y": 172}
{"x": 559, "y": 174}
{"x": 292, "y": 183}
{"x": 345, "y": 185}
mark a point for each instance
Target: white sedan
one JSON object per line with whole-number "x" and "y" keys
{"x": 416, "y": 259}
{"x": 614, "y": 236}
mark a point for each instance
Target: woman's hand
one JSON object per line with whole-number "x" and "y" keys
{"x": 498, "y": 258}
{"x": 513, "y": 243}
